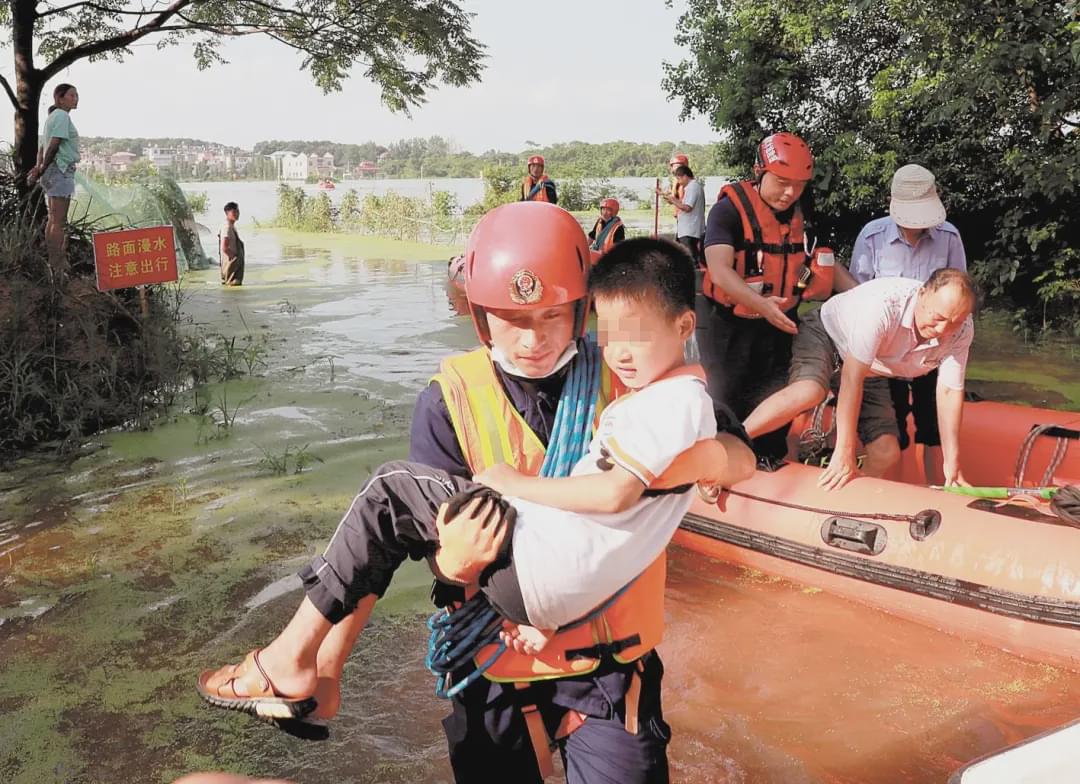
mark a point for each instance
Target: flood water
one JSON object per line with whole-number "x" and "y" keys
{"x": 154, "y": 555}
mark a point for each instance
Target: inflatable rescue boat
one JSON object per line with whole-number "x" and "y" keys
{"x": 1003, "y": 572}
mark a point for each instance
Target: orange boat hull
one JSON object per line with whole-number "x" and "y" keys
{"x": 1005, "y": 575}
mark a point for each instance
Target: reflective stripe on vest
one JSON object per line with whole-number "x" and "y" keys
{"x": 488, "y": 427}
{"x": 604, "y": 235}
{"x": 773, "y": 253}
{"x": 534, "y": 190}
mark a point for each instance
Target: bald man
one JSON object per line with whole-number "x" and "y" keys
{"x": 884, "y": 328}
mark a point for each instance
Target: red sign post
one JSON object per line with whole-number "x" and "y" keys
{"x": 135, "y": 257}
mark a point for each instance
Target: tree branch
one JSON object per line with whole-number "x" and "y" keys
{"x": 116, "y": 42}
{"x": 9, "y": 91}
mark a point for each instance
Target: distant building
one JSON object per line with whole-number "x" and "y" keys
{"x": 161, "y": 157}
{"x": 99, "y": 164}
{"x": 121, "y": 161}
{"x": 322, "y": 165}
{"x": 294, "y": 166}
{"x": 366, "y": 169}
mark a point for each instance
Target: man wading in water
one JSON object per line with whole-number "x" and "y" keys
{"x": 231, "y": 248}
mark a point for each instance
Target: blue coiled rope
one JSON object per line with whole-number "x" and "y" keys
{"x": 458, "y": 635}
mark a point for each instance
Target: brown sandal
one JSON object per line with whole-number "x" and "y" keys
{"x": 218, "y": 687}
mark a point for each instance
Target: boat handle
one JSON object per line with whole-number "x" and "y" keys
{"x": 857, "y": 536}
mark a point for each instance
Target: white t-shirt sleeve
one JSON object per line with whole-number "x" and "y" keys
{"x": 654, "y": 426}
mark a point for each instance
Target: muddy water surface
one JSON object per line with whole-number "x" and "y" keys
{"x": 126, "y": 571}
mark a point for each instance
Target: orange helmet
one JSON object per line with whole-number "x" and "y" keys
{"x": 785, "y": 155}
{"x": 612, "y": 203}
{"x": 680, "y": 159}
{"x": 536, "y": 159}
{"x": 526, "y": 255}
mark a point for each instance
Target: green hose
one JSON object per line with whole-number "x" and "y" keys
{"x": 1045, "y": 493}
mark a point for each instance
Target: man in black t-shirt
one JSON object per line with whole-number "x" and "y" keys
{"x": 754, "y": 250}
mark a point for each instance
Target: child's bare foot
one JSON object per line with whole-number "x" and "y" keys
{"x": 525, "y": 639}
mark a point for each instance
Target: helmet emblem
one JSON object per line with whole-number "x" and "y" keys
{"x": 526, "y": 288}
{"x": 768, "y": 150}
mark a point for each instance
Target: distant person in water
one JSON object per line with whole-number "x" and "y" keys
{"x": 231, "y": 248}
{"x": 58, "y": 157}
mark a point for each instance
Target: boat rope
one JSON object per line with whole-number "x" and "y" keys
{"x": 460, "y": 633}
{"x": 814, "y": 440}
{"x": 1066, "y": 504}
{"x": 1060, "y": 449}
{"x": 899, "y": 518}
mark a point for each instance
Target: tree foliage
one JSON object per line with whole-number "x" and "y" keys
{"x": 984, "y": 93}
{"x": 406, "y": 47}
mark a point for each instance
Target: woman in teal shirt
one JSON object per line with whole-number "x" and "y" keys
{"x": 58, "y": 157}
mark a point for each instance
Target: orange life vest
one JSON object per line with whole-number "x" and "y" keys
{"x": 603, "y": 242}
{"x": 633, "y": 623}
{"x": 677, "y": 192}
{"x": 528, "y": 183}
{"x": 774, "y": 259}
{"x": 627, "y": 626}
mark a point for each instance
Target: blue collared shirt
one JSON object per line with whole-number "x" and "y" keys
{"x": 881, "y": 252}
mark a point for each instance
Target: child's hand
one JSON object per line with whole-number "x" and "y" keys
{"x": 525, "y": 639}
{"x": 499, "y": 477}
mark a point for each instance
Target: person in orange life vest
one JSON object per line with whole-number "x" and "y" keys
{"x": 536, "y": 186}
{"x": 608, "y": 229}
{"x": 675, "y": 189}
{"x": 530, "y": 328}
{"x": 755, "y": 248}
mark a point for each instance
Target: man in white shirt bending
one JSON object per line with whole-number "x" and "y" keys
{"x": 885, "y": 328}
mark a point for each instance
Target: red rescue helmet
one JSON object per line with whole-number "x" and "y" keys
{"x": 523, "y": 256}
{"x": 613, "y": 204}
{"x": 536, "y": 159}
{"x": 680, "y": 159}
{"x": 785, "y": 155}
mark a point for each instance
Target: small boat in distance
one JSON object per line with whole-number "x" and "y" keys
{"x": 326, "y": 185}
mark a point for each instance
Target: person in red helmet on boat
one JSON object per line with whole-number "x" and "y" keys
{"x": 760, "y": 266}
{"x": 608, "y": 228}
{"x": 884, "y": 328}
{"x": 537, "y": 186}
{"x": 529, "y": 305}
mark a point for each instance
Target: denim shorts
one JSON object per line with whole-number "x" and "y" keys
{"x": 59, "y": 183}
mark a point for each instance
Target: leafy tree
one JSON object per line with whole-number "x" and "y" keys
{"x": 405, "y": 46}
{"x": 984, "y": 93}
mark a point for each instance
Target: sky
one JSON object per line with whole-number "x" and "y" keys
{"x": 556, "y": 71}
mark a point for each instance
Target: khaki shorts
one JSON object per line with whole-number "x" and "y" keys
{"x": 814, "y": 357}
